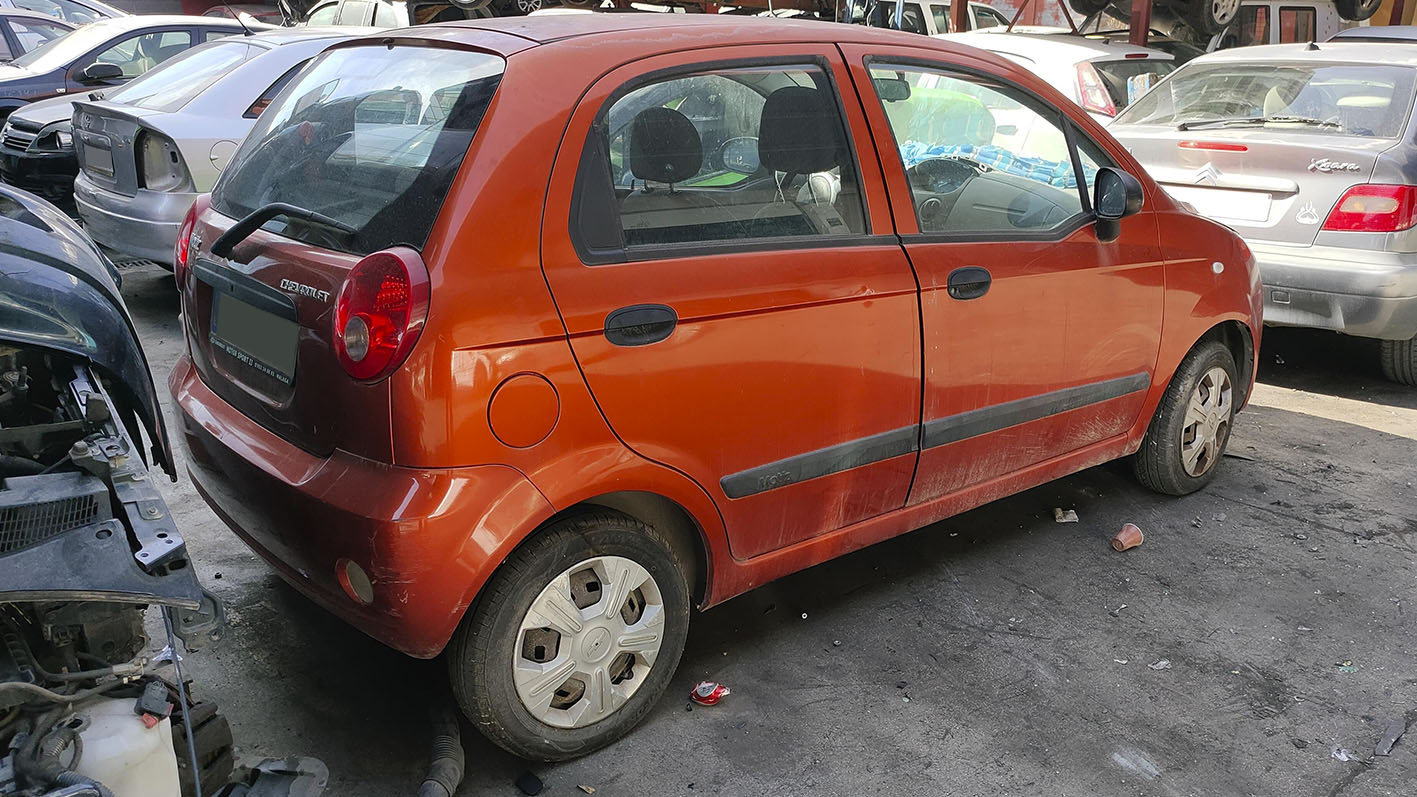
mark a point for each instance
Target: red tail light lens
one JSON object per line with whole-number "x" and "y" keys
{"x": 1093, "y": 91}
{"x": 181, "y": 252}
{"x": 380, "y": 312}
{"x": 1375, "y": 208}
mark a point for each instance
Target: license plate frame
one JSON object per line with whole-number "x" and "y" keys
{"x": 254, "y": 335}
{"x": 1225, "y": 203}
{"x": 98, "y": 159}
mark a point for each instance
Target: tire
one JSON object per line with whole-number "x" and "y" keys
{"x": 1399, "y": 359}
{"x": 1357, "y": 10}
{"x": 581, "y": 3}
{"x": 214, "y": 748}
{"x": 503, "y": 649}
{"x": 519, "y": 8}
{"x": 1089, "y": 7}
{"x": 1164, "y": 462}
{"x": 1209, "y": 17}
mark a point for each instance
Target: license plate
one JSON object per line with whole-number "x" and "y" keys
{"x": 97, "y": 159}
{"x": 1223, "y": 203}
{"x": 257, "y": 339}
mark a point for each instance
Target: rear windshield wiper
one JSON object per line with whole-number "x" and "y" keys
{"x": 252, "y": 221}
{"x": 1245, "y": 121}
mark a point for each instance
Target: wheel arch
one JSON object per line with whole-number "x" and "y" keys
{"x": 1237, "y": 337}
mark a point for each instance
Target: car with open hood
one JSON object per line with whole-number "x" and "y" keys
{"x": 149, "y": 148}
{"x": 518, "y": 339}
{"x": 36, "y": 150}
{"x": 1305, "y": 150}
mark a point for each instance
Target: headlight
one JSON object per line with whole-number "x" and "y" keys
{"x": 160, "y": 163}
{"x": 54, "y": 137}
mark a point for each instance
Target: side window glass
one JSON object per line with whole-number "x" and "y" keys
{"x": 141, "y": 53}
{"x": 324, "y": 15}
{"x": 912, "y": 20}
{"x": 942, "y": 17}
{"x": 1254, "y": 27}
{"x": 985, "y": 18}
{"x": 32, "y": 33}
{"x": 354, "y": 12}
{"x": 720, "y": 156}
{"x": 384, "y": 16}
{"x": 1296, "y": 25}
{"x": 981, "y": 156}
{"x": 264, "y": 101}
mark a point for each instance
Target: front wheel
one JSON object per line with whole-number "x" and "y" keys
{"x": 1399, "y": 358}
{"x": 574, "y": 639}
{"x": 1209, "y": 17}
{"x": 1191, "y": 428}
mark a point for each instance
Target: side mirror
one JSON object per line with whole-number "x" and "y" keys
{"x": 1116, "y": 195}
{"x": 99, "y": 72}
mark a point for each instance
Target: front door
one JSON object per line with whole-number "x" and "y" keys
{"x": 732, "y": 288}
{"x": 1039, "y": 339}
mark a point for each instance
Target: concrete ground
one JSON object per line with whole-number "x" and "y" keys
{"x": 994, "y": 653}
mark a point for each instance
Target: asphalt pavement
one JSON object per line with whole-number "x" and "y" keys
{"x": 1259, "y": 642}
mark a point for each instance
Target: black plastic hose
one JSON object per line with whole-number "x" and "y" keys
{"x": 446, "y": 770}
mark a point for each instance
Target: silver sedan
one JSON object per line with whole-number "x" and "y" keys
{"x": 1307, "y": 151}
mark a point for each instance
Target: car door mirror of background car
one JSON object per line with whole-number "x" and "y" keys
{"x": 96, "y": 73}
{"x": 1117, "y": 195}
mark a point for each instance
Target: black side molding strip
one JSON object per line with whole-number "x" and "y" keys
{"x": 952, "y": 429}
{"x": 939, "y": 432}
{"x": 822, "y": 462}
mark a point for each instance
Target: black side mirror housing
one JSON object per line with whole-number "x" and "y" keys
{"x": 99, "y": 72}
{"x": 1116, "y": 195}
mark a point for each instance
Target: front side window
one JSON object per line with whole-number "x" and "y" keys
{"x": 138, "y": 54}
{"x": 324, "y": 15}
{"x": 987, "y": 18}
{"x": 942, "y": 17}
{"x": 1366, "y": 100}
{"x": 980, "y": 156}
{"x": 369, "y": 136}
{"x": 722, "y": 156}
{"x": 1254, "y": 27}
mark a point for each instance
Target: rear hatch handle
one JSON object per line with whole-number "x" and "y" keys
{"x": 252, "y": 221}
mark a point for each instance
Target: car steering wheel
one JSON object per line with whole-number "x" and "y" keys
{"x": 943, "y": 175}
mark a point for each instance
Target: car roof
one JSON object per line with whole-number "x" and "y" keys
{"x": 138, "y": 21}
{"x": 1362, "y": 52}
{"x": 1377, "y": 33}
{"x": 279, "y": 36}
{"x": 1050, "y": 44}
{"x": 20, "y": 13}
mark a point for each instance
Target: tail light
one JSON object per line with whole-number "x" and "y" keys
{"x": 380, "y": 312}
{"x": 182, "y": 251}
{"x": 1093, "y": 91}
{"x": 1374, "y": 208}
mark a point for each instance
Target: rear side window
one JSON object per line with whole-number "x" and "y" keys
{"x": 720, "y": 156}
{"x": 324, "y": 15}
{"x": 1296, "y": 25}
{"x": 369, "y": 136}
{"x": 1128, "y": 80}
{"x": 31, "y": 33}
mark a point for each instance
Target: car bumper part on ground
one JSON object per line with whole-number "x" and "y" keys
{"x": 46, "y": 174}
{"x": 1364, "y": 293}
{"x": 425, "y": 538}
{"x": 143, "y": 226}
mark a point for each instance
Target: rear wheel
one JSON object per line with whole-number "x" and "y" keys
{"x": 1191, "y": 428}
{"x": 1399, "y": 359}
{"x": 1357, "y": 10}
{"x": 574, "y": 639}
{"x": 1209, "y": 17}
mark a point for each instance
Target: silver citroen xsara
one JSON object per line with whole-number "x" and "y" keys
{"x": 1307, "y": 151}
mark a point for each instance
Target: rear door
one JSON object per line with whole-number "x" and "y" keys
{"x": 732, "y": 288}
{"x": 1040, "y": 340}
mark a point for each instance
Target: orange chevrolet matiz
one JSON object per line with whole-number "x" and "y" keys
{"x": 516, "y": 340}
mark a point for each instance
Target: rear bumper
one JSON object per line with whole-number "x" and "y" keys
{"x": 1358, "y": 292}
{"x": 140, "y": 226}
{"x": 427, "y": 538}
{"x": 46, "y": 174}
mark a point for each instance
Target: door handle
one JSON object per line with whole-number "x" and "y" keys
{"x": 640, "y": 324}
{"x": 969, "y": 282}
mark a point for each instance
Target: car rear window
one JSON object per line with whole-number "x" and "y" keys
{"x": 173, "y": 84}
{"x": 370, "y": 136}
{"x": 1128, "y": 80}
{"x": 1367, "y": 100}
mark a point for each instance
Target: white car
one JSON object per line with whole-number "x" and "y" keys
{"x": 148, "y": 149}
{"x": 930, "y": 17}
{"x": 1101, "y": 76}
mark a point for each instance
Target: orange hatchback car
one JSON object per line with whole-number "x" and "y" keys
{"x": 517, "y": 339}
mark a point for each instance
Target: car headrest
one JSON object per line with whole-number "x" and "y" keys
{"x": 799, "y": 132}
{"x": 664, "y": 146}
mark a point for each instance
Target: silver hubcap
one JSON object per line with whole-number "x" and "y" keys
{"x": 588, "y": 642}
{"x": 1224, "y": 10}
{"x": 1207, "y": 422}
